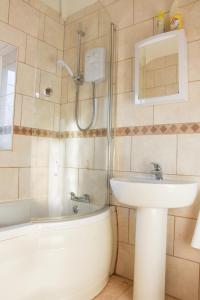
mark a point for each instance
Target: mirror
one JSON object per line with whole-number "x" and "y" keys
{"x": 8, "y": 54}
{"x": 161, "y": 69}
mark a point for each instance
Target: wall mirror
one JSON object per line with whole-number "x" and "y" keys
{"x": 161, "y": 69}
{"x": 8, "y": 55}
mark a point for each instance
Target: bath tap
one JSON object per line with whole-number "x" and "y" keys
{"x": 157, "y": 171}
{"x": 85, "y": 198}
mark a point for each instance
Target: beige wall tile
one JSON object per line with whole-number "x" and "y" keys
{"x": 85, "y": 91}
{"x": 107, "y": 2}
{"x": 192, "y": 210}
{"x": 194, "y": 61}
{"x": 27, "y": 80}
{"x": 67, "y": 121}
{"x": 121, "y": 13}
{"x": 182, "y": 278}
{"x": 41, "y": 55}
{"x": 191, "y": 19}
{"x": 127, "y": 38}
{"x": 83, "y": 12}
{"x": 71, "y": 90}
{"x": 129, "y": 114}
{"x": 9, "y": 184}
{"x": 4, "y": 10}
{"x": 188, "y": 152}
{"x": 18, "y": 109}
{"x": 188, "y": 111}
{"x": 24, "y": 183}
{"x": 40, "y": 151}
{"x": 56, "y": 123}
{"x": 48, "y": 80}
{"x": 125, "y": 260}
{"x": 80, "y": 153}
{"x": 64, "y": 91}
{"x": 122, "y": 153}
{"x": 14, "y": 37}
{"x": 20, "y": 155}
{"x": 39, "y": 187}
{"x": 170, "y": 235}
{"x": 155, "y": 148}
{"x": 100, "y": 157}
{"x": 102, "y": 113}
{"x": 24, "y": 17}
{"x": 93, "y": 183}
{"x": 125, "y": 76}
{"x": 132, "y": 225}
{"x": 54, "y": 33}
{"x": 37, "y": 113}
{"x": 123, "y": 224}
{"x": 144, "y": 10}
{"x": 59, "y": 68}
{"x": 91, "y": 32}
{"x": 184, "y": 230}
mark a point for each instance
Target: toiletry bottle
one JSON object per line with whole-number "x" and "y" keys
{"x": 175, "y": 18}
{"x": 159, "y": 22}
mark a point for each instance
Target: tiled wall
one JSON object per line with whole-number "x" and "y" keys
{"x": 37, "y": 32}
{"x": 177, "y": 153}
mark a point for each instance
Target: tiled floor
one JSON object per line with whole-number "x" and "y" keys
{"x": 119, "y": 288}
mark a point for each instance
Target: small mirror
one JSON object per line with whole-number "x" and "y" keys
{"x": 161, "y": 69}
{"x": 8, "y": 54}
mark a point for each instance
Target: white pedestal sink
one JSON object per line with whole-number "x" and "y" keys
{"x": 152, "y": 198}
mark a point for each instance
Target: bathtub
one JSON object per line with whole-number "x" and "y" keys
{"x": 65, "y": 260}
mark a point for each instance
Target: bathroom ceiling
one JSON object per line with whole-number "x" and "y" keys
{"x": 68, "y": 7}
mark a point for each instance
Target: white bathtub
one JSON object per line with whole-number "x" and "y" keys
{"x": 66, "y": 260}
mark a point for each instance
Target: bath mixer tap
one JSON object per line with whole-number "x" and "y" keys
{"x": 157, "y": 171}
{"x": 85, "y": 198}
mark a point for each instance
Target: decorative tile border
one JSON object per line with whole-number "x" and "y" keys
{"x": 89, "y": 133}
{"x": 179, "y": 128}
{"x": 35, "y": 132}
{"x": 162, "y": 129}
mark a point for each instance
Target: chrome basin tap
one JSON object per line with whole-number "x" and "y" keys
{"x": 157, "y": 171}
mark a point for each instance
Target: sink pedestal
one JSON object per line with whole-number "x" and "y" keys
{"x": 150, "y": 254}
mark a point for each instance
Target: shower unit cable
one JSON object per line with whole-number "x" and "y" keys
{"x": 79, "y": 80}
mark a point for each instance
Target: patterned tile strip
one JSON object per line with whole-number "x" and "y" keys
{"x": 35, "y": 132}
{"x": 162, "y": 129}
{"x": 179, "y": 128}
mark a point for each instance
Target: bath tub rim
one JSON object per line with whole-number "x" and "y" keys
{"x": 15, "y": 231}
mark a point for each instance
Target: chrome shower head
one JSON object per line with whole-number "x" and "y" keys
{"x": 66, "y": 66}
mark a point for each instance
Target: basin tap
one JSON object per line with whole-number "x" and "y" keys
{"x": 157, "y": 171}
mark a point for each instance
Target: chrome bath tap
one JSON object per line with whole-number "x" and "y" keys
{"x": 85, "y": 198}
{"x": 157, "y": 171}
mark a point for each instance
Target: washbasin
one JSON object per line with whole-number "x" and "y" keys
{"x": 149, "y": 192}
{"x": 152, "y": 198}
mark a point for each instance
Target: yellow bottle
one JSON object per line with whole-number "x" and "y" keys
{"x": 176, "y": 19}
{"x": 176, "y": 22}
{"x": 160, "y": 22}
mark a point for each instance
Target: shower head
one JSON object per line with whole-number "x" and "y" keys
{"x": 64, "y": 65}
